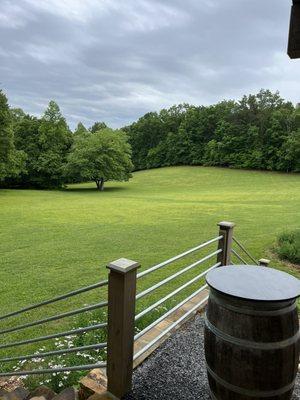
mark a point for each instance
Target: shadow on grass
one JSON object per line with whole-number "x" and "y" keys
{"x": 94, "y": 189}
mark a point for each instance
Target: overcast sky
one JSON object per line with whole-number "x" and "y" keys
{"x": 114, "y": 60}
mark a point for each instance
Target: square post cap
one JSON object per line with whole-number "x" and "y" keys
{"x": 226, "y": 225}
{"x": 123, "y": 265}
{"x": 264, "y": 262}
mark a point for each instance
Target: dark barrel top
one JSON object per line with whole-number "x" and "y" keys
{"x": 254, "y": 283}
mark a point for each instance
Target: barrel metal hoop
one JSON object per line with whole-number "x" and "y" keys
{"x": 259, "y": 313}
{"x": 251, "y": 344}
{"x": 247, "y": 392}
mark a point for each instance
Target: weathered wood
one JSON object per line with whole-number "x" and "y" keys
{"x": 121, "y": 312}
{"x": 225, "y": 243}
{"x": 251, "y": 345}
{"x": 294, "y": 34}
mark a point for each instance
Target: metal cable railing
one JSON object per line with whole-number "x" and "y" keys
{"x": 54, "y": 336}
{"x": 239, "y": 257}
{"x": 52, "y": 370}
{"x": 169, "y": 328}
{"x": 58, "y": 298}
{"x": 166, "y": 280}
{"x": 40, "y": 355}
{"x": 55, "y": 317}
{"x": 184, "y": 286}
{"x": 161, "y": 318}
{"x": 178, "y": 257}
{"x": 244, "y": 250}
{"x": 55, "y": 352}
{"x": 176, "y": 291}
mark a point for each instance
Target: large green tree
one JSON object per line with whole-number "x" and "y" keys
{"x": 55, "y": 140}
{"x": 11, "y": 160}
{"x": 103, "y": 156}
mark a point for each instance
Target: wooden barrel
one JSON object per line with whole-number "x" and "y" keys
{"x": 251, "y": 333}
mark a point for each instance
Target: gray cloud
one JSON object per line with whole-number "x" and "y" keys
{"x": 114, "y": 60}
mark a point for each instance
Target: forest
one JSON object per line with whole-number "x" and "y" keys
{"x": 260, "y": 131}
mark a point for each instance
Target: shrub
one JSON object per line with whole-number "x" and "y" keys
{"x": 288, "y": 246}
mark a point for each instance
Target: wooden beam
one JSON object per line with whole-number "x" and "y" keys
{"x": 294, "y": 35}
{"x": 225, "y": 243}
{"x": 121, "y": 313}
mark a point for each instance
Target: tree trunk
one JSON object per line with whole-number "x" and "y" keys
{"x": 100, "y": 184}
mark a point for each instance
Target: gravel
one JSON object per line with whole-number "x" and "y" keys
{"x": 176, "y": 370}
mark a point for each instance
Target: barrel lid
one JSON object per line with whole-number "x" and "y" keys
{"x": 254, "y": 283}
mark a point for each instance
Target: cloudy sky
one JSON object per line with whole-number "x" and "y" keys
{"x": 114, "y": 60}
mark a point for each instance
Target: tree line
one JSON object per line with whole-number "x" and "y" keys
{"x": 45, "y": 153}
{"x": 260, "y": 131}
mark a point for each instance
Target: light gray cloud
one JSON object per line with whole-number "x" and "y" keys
{"x": 114, "y": 60}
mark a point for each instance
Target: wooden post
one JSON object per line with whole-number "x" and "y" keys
{"x": 225, "y": 243}
{"x": 264, "y": 262}
{"x": 294, "y": 34}
{"x": 121, "y": 313}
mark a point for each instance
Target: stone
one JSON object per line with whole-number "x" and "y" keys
{"x": 18, "y": 393}
{"x": 42, "y": 391}
{"x": 67, "y": 394}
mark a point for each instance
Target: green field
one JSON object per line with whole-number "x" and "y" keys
{"x": 55, "y": 241}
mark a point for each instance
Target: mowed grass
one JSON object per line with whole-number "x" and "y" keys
{"x": 56, "y": 241}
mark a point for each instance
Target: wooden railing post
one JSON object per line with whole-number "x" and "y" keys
{"x": 121, "y": 314}
{"x": 264, "y": 262}
{"x": 225, "y": 243}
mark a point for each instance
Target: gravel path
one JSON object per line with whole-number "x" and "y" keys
{"x": 177, "y": 369}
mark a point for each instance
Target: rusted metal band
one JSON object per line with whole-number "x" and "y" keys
{"x": 247, "y": 311}
{"x": 251, "y": 344}
{"x": 248, "y": 392}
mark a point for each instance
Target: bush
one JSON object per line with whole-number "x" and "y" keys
{"x": 288, "y": 246}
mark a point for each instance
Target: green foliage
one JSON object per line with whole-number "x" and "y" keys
{"x": 102, "y": 156}
{"x": 80, "y": 130}
{"x": 258, "y": 132}
{"x": 11, "y": 160}
{"x": 54, "y": 143}
{"x": 46, "y": 143}
{"x": 97, "y": 126}
{"x": 288, "y": 246}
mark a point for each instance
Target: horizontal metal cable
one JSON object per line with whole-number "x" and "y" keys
{"x": 55, "y": 352}
{"x": 239, "y": 257}
{"x": 62, "y": 297}
{"x": 157, "y": 321}
{"x": 169, "y": 328}
{"x": 166, "y": 280}
{"x": 245, "y": 250}
{"x": 55, "y": 317}
{"x": 153, "y": 306}
{"x": 55, "y": 335}
{"x": 52, "y": 370}
{"x": 155, "y": 267}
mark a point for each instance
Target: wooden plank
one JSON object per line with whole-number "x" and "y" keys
{"x": 294, "y": 34}
{"x": 121, "y": 313}
{"x": 226, "y": 230}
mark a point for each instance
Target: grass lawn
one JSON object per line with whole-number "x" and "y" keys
{"x": 55, "y": 241}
